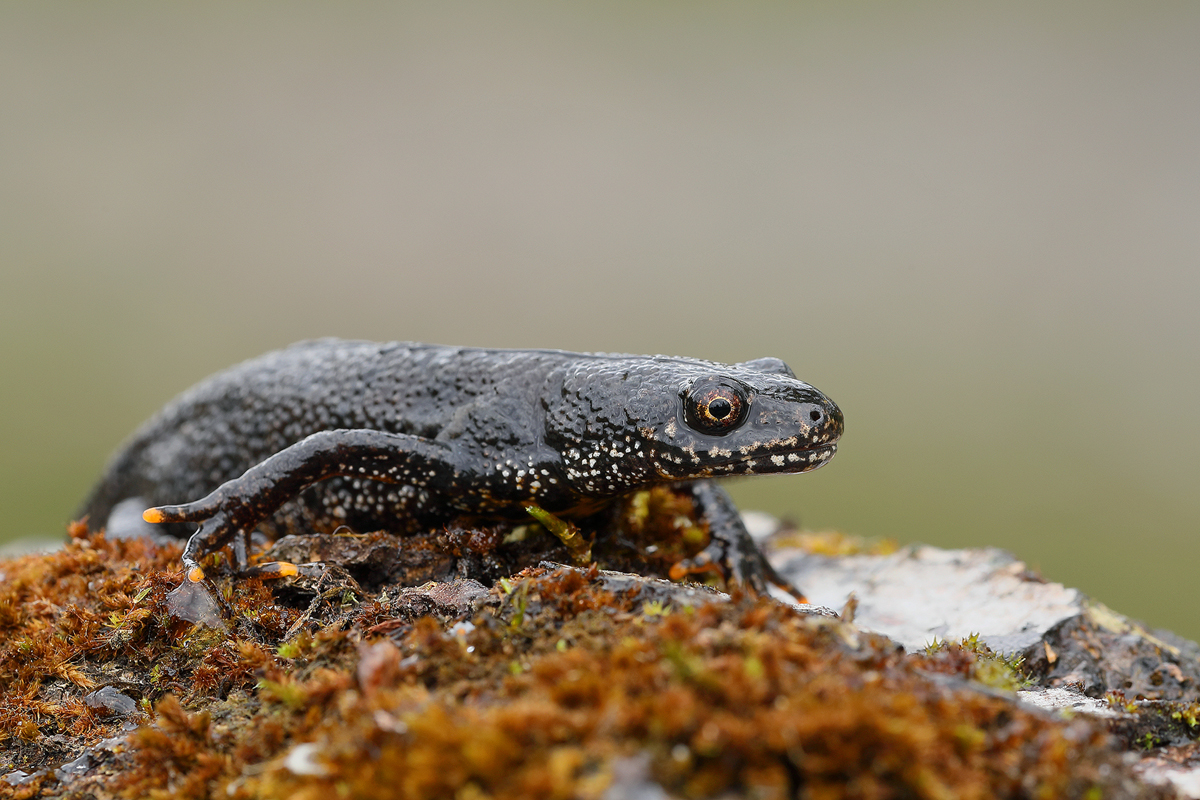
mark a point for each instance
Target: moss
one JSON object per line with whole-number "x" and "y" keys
{"x": 1150, "y": 724}
{"x": 972, "y": 659}
{"x": 548, "y": 686}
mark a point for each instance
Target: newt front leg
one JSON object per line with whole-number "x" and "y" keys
{"x": 731, "y": 551}
{"x": 237, "y": 506}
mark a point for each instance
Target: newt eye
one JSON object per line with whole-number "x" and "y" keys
{"x": 715, "y": 407}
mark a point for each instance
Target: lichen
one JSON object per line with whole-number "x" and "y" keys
{"x": 832, "y": 543}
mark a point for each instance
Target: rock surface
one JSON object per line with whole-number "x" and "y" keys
{"x": 921, "y": 594}
{"x": 1082, "y": 656}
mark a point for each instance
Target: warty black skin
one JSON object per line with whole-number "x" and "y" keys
{"x": 404, "y": 436}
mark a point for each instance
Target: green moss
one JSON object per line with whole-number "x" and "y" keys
{"x": 971, "y": 658}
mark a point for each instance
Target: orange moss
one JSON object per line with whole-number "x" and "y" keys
{"x": 176, "y": 757}
{"x": 723, "y": 698}
{"x": 555, "y": 689}
{"x": 94, "y": 614}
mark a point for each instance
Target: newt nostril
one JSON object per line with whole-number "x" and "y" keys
{"x": 815, "y": 415}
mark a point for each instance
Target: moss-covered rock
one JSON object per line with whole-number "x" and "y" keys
{"x": 550, "y": 682}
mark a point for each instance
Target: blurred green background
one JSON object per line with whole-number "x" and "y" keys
{"x": 975, "y": 226}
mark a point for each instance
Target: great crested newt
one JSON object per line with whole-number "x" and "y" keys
{"x": 404, "y": 436}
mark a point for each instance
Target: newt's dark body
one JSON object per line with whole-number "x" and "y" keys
{"x": 405, "y": 436}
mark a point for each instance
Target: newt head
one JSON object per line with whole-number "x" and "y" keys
{"x": 683, "y": 419}
{"x": 744, "y": 422}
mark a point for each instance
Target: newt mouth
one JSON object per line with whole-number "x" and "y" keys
{"x": 795, "y": 460}
{"x": 803, "y": 459}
